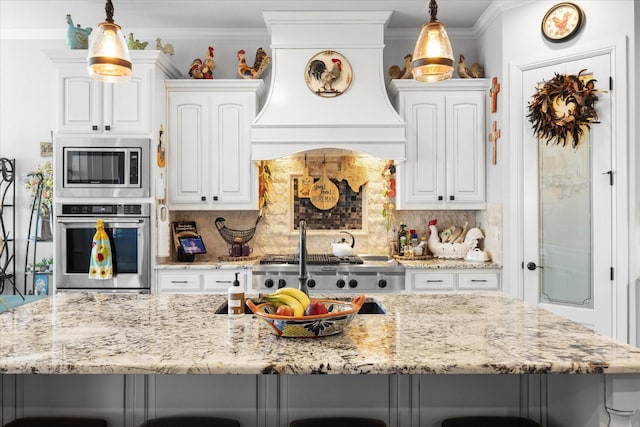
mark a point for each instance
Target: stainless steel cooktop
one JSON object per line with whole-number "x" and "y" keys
{"x": 328, "y": 273}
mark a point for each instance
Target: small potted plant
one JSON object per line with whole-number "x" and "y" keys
{"x": 43, "y": 265}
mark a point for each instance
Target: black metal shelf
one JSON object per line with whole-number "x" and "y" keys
{"x": 31, "y": 253}
{"x": 7, "y": 225}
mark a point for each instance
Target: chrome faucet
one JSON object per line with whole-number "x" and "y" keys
{"x": 302, "y": 256}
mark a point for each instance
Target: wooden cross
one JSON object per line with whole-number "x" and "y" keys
{"x": 493, "y": 138}
{"x": 493, "y": 94}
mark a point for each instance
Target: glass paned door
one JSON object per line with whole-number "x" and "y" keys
{"x": 567, "y": 208}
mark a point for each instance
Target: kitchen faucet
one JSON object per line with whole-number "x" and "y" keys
{"x": 302, "y": 257}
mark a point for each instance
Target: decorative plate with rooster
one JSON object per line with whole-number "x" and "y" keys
{"x": 328, "y": 74}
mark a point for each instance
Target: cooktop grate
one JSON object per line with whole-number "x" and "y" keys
{"x": 312, "y": 259}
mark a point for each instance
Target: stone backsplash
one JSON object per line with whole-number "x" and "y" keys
{"x": 277, "y": 233}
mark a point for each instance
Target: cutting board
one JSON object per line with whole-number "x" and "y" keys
{"x": 324, "y": 194}
{"x": 305, "y": 182}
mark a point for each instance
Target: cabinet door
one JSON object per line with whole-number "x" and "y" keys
{"x": 127, "y": 106}
{"x": 188, "y": 148}
{"x": 422, "y": 176}
{"x": 233, "y": 174}
{"x": 465, "y": 148}
{"x": 78, "y": 100}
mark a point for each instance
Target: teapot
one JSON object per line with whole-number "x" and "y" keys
{"x": 342, "y": 247}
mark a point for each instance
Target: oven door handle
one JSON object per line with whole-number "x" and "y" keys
{"x": 106, "y": 220}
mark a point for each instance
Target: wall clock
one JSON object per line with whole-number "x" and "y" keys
{"x": 562, "y": 22}
{"x": 328, "y": 74}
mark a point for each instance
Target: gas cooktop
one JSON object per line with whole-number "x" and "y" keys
{"x": 312, "y": 259}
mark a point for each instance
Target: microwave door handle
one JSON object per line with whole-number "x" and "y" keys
{"x": 93, "y": 221}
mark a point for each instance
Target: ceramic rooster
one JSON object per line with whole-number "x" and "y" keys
{"x": 135, "y": 44}
{"x": 464, "y": 243}
{"x": 260, "y": 63}
{"x": 319, "y": 71}
{"x": 405, "y": 73}
{"x": 167, "y": 49}
{"x": 77, "y": 37}
{"x": 203, "y": 69}
{"x": 475, "y": 72}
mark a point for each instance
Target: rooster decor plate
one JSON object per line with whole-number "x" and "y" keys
{"x": 328, "y": 74}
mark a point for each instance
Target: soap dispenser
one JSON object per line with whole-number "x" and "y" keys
{"x": 235, "y": 300}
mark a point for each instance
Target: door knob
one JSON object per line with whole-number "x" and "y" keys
{"x": 532, "y": 266}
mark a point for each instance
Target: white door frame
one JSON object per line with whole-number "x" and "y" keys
{"x": 514, "y": 200}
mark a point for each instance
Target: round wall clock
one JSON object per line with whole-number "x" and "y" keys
{"x": 328, "y": 74}
{"x": 562, "y": 22}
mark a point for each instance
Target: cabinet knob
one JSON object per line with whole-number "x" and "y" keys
{"x": 107, "y": 127}
{"x": 94, "y": 127}
{"x": 452, "y": 197}
{"x": 203, "y": 198}
{"x": 215, "y": 198}
{"x": 440, "y": 198}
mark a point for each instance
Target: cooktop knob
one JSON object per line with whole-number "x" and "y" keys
{"x": 340, "y": 283}
{"x": 353, "y": 283}
{"x": 282, "y": 283}
{"x": 382, "y": 283}
{"x": 311, "y": 283}
{"x": 268, "y": 283}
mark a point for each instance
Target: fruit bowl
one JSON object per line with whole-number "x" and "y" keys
{"x": 340, "y": 314}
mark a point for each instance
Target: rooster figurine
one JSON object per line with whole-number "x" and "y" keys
{"x": 326, "y": 76}
{"x": 457, "y": 247}
{"x": 396, "y": 73}
{"x": 166, "y": 49}
{"x": 260, "y": 63}
{"x": 200, "y": 69}
{"x": 475, "y": 72}
{"x": 135, "y": 44}
{"x": 77, "y": 37}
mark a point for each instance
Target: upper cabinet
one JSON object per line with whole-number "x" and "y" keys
{"x": 209, "y": 153}
{"x": 86, "y": 106}
{"x": 445, "y": 153}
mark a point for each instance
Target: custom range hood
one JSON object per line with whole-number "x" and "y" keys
{"x": 341, "y": 103}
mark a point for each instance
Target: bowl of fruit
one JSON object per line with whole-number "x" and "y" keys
{"x": 289, "y": 312}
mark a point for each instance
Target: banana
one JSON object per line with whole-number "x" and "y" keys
{"x": 279, "y": 299}
{"x": 297, "y": 294}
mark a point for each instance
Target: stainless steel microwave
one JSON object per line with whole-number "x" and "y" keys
{"x": 102, "y": 167}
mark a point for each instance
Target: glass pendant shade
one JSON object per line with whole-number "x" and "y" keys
{"x": 108, "y": 56}
{"x": 432, "y": 56}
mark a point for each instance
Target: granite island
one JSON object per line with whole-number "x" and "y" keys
{"x": 429, "y": 356}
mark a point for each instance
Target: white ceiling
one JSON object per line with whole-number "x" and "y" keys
{"x": 220, "y": 14}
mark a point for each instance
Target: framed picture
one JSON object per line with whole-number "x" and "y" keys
{"x": 41, "y": 284}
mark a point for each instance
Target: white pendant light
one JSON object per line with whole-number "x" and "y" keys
{"x": 433, "y": 56}
{"x": 108, "y": 56}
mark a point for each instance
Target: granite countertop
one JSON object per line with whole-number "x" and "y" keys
{"x": 441, "y": 263}
{"x": 429, "y": 263}
{"x": 180, "y": 334}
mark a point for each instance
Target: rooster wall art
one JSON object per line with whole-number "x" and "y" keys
{"x": 328, "y": 74}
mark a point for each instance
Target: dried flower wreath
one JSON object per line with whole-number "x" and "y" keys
{"x": 579, "y": 99}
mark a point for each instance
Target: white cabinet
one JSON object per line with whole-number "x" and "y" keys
{"x": 198, "y": 281}
{"x": 425, "y": 280}
{"x": 209, "y": 153}
{"x": 87, "y": 106}
{"x": 445, "y": 165}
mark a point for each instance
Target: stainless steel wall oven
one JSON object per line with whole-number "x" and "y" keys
{"x": 129, "y": 230}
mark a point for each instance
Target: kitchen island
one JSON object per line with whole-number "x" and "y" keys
{"x": 423, "y": 349}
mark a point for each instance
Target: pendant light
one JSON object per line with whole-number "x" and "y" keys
{"x": 433, "y": 56}
{"x": 108, "y": 56}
